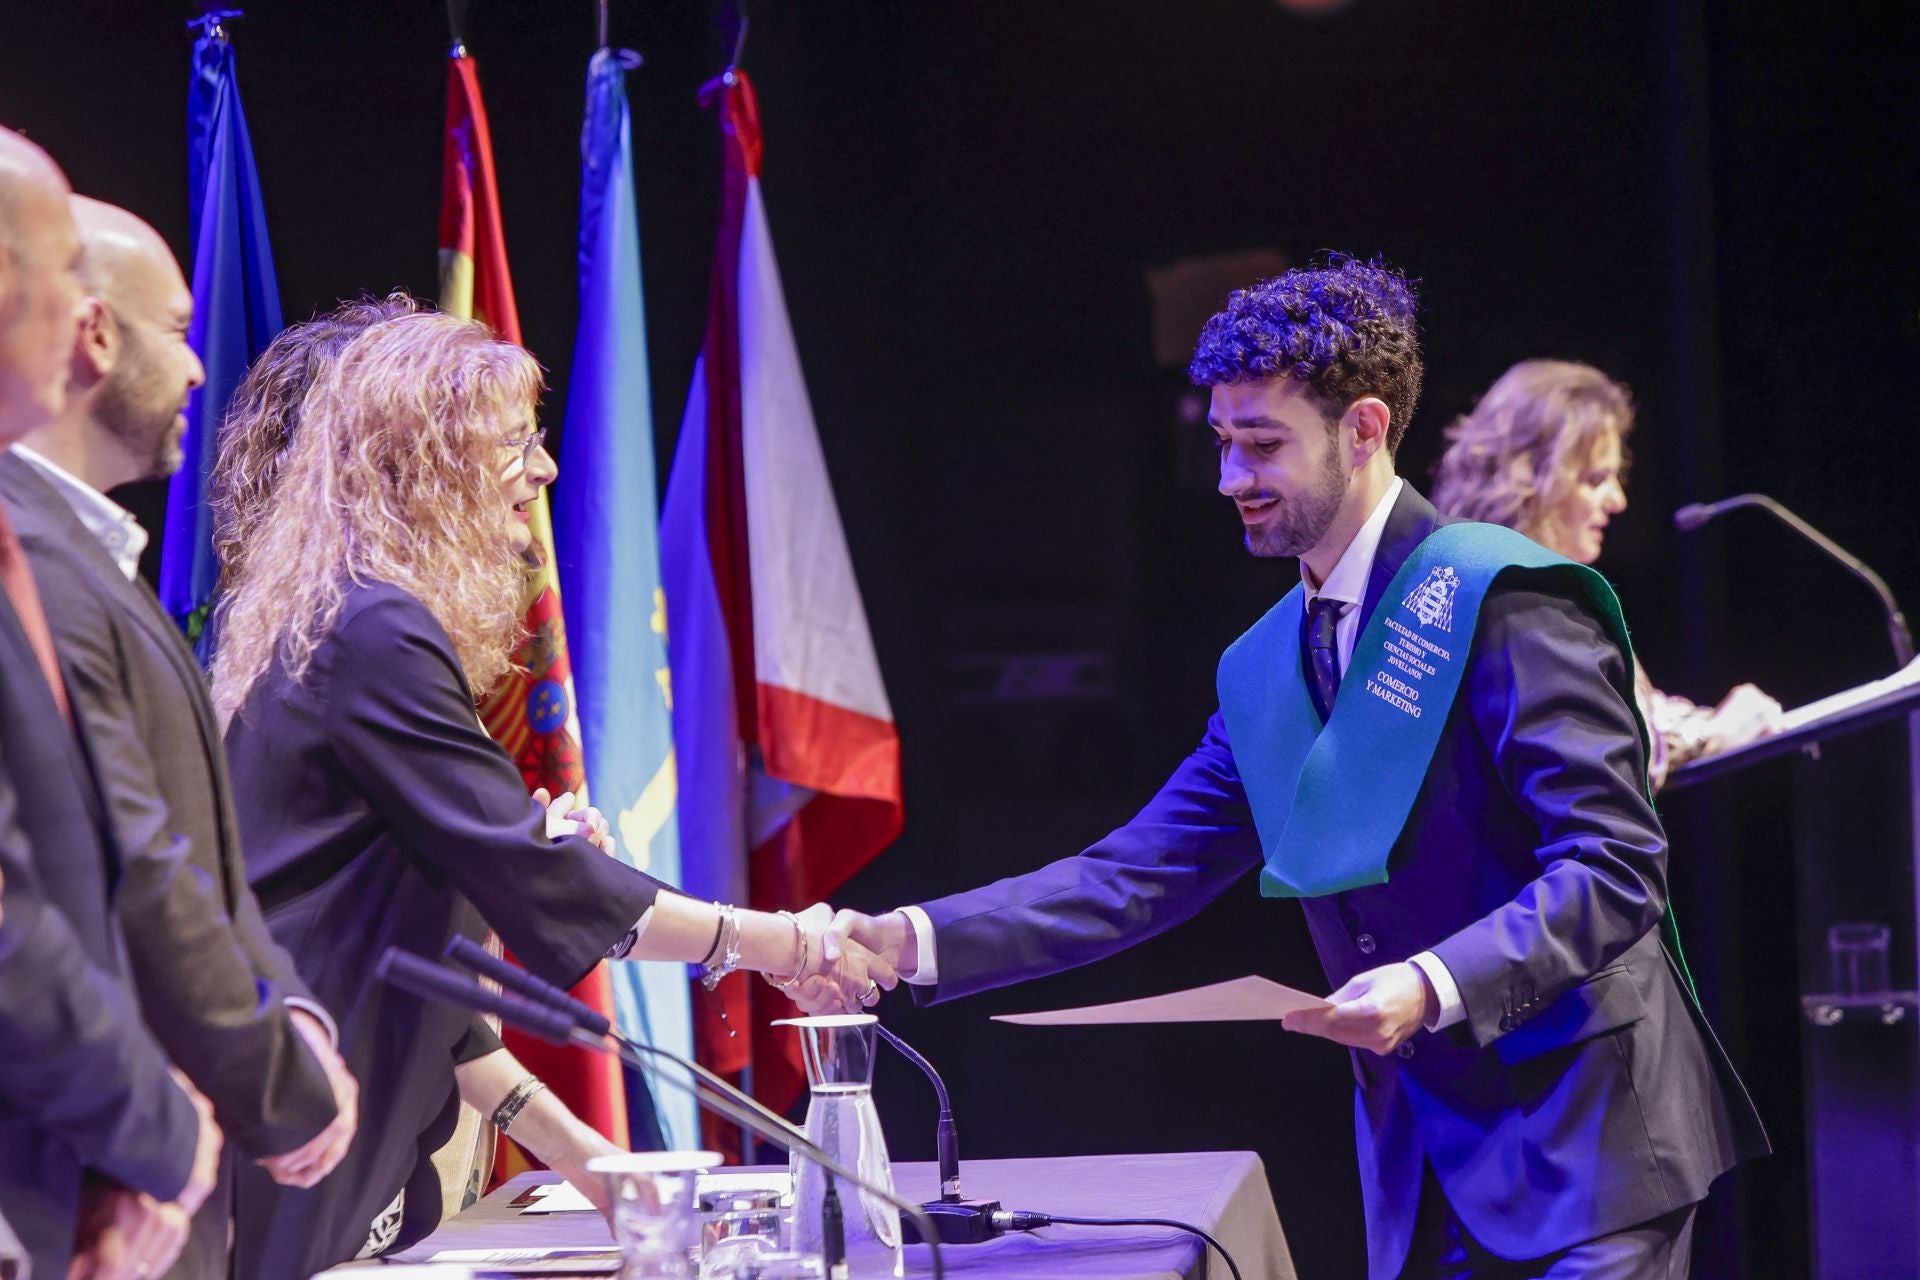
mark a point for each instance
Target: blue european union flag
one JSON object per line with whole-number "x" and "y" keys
{"x": 606, "y": 543}
{"x": 236, "y": 312}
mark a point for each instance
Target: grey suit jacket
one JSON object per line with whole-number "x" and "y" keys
{"x": 212, "y": 980}
{"x": 1583, "y": 1093}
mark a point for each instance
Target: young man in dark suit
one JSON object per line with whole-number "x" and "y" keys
{"x": 222, "y": 996}
{"x": 100, "y": 1145}
{"x": 1432, "y": 743}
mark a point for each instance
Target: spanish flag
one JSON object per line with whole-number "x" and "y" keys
{"x": 531, "y": 711}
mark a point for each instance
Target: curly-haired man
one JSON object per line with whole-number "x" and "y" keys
{"x": 1432, "y": 744}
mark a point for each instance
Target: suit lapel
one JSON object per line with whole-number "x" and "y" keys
{"x": 1408, "y": 525}
{"x": 43, "y": 512}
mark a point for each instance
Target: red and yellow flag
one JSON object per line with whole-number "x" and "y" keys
{"x": 530, "y": 712}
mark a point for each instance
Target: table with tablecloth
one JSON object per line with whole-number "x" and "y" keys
{"x": 1222, "y": 1192}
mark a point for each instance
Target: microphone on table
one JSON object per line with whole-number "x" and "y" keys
{"x": 959, "y": 1221}
{"x": 557, "y": 1024}
{"x": 1695, "y": 514}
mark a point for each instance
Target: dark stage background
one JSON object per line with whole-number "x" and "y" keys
{"x": 1715, "y": 201}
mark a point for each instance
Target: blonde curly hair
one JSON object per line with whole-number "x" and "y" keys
{"x": 1515, "y": 458}
{"x": 264, "y": 414}
{"x": 393, "y": 476}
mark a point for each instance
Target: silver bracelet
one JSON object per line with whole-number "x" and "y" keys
{"x": 515, "y": 1102}
{"x": 729, "y": 947}
{"x": 799, "y": 971}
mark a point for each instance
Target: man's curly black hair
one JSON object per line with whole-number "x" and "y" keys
{"x": 1346, "y": 328}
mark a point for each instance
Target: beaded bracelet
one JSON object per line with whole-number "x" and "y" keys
{"x": 729, "y": 948}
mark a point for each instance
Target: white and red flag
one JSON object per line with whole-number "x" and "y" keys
{"x": 788, "y": 757}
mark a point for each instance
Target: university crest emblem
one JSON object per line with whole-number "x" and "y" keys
{"x": 1432, "y": 601}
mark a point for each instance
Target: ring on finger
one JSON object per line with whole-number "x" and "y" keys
{"x": 871, "y": 995}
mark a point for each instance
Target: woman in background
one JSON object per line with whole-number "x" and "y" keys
{"x": 1544, "y": 452}
{"x": 380, "y": 590}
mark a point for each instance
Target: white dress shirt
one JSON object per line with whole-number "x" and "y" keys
{"x": 104, "y": 518}
{"x": 1348, "y": 583}
{"x": 124, "y": 540}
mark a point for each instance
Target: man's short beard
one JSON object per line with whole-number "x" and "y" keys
{"x": 131, "y": 418}
{"x": 1297, "y": 524}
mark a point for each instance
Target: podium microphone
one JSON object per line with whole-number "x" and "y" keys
{"x": 431, "y": 981}
{"x": 959, "y": 1221}
{"x": 1695, "y": 514}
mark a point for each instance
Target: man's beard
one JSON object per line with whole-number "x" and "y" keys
{"x": 129, "y": 412}
{"x": 1297, "y": 524}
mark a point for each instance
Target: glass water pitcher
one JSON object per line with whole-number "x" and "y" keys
{"x": 841, "y": 1120}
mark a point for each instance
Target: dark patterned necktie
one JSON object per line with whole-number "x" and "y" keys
{"x": 1323, "y": 651}
{"x": 17, "y": 580}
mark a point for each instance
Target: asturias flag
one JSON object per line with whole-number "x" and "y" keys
{"x": 236, "y": 312}
{"x": 789, "y": 761}
{"x": 605, "y": 518}
{"x": 530, "y": 712}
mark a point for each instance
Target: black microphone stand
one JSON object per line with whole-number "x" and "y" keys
{"x": 1694, "y": 515}
{"x": 957, "y": 1220}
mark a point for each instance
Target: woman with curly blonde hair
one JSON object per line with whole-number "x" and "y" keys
{"x": 1545, "y": 452}
{"x": 379, "y": 593}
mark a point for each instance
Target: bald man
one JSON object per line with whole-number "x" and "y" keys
{"x": 98, "y": 1141}
{"x": 221, "y": 995}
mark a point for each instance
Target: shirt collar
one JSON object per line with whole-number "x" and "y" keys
{"x": 109, "y": 522}
{"x": 1348, "y": 581}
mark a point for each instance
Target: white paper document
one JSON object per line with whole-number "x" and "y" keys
{"x": 1847, "y": 699}
{"x": 1248, "y": 999}
{"x": 564, "y": 1197}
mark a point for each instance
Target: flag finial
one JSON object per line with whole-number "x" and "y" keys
{"x": 211, "y": 23}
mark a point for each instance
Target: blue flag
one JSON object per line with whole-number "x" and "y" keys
{"x": 607, "y": 546}
{"x": 236, "y": 312}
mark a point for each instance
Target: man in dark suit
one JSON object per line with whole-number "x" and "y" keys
{"x": 97, "y": 1138}
{"x": 221, "y": 995}
{"x": 1537, "y": 1093}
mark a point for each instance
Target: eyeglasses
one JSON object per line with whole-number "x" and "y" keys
{"x": 527, "y": 445}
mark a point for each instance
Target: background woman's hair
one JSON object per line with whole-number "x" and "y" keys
{"x": 393, "y": 475}
{"x": 1520, "y": 452}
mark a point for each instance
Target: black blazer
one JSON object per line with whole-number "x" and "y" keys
{"x": 1583, "y": 1093}
{"x": 82, "y": 1082}
{"x": 377, "y": 812}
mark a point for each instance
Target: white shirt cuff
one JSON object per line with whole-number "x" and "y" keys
{"x": 1445, "y": 990}
{"x": 928, "y": 974}
{"x": 318, "y": 1014}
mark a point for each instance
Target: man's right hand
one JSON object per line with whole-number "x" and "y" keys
{"x": 206, "y": 1152}
{"x": 889, "y": 937}
{"x": 125, "y": 1234}
{"x": 307, "y": 1164}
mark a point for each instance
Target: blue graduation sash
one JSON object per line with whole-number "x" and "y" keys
{"x": 1301, "y": 776}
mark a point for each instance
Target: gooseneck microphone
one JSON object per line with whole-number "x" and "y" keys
{"x": 946, "y": 1139}
{"x": 1695, "y": 514}
{"x": 957, "y": 1220}
{"x": 556, "y": 1025}
{"x": 463, "y": 950}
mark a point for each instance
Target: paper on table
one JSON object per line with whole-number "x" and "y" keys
{"x": 564, "y": 1197}
{"x": 1248, "y": 999}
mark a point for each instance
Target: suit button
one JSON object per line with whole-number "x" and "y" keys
{"x": 1365, "y": 943}
{"x": 1405, "y": 1050}
{"x": 1506, "y": 1022}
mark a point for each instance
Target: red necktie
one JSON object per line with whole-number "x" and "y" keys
{"x": 17, "y": 580}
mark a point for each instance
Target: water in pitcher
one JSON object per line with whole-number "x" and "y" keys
{"x": 842, "y": 1120}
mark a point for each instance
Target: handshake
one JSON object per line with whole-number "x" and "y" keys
{"x": 851, "y": 958}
